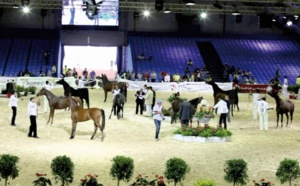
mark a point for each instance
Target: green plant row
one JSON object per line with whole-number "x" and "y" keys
{"x": 122, "y": 170}
{"x": 293, "y": 88}
{"x": 205, "y": 131}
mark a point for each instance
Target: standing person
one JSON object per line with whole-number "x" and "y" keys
{"x": 85, "y": 74}
{"x": 53, "y": 70}
{"x": 153, "y": 76}
{"x": 80, "y": 82}
{"x": 32, "y": 112}
{"x": 222, "y": 110}
{"x": 93, "y": 75}
{"x": 256, "y": 97}
{"x": 139, "y": 101}
{"x": 185, "y": 112}
{"x": 263, "y": 114}
{"x": 65, "y": 70}
{"x": 285, "y": 85}
{"x": 46, "y": 103}
{"x": 228, "y": 107}
{"x": 13, "y": 103}
{"x": 115, "y": 92}
{"x": 148, "y": 101}
{"x": 74, "y": 74}
{"x": 157, "y": 117}
{"x": 167, "y": 78}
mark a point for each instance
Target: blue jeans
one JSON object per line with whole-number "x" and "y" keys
{"x": 157, "y": 124}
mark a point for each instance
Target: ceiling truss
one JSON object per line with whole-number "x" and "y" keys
{"x": 245, "y": 7}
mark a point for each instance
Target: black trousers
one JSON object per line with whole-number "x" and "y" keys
{"x": 14, "y": 110}
{"x": 223, "y": 120}
{"x": 32, "y": 128}
{"x": 139, "y": 106}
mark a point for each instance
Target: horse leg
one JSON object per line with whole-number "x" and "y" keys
{"x": 73, "y": 130}
{"x": 281, "y": 119}
{"x": 105, "y": 95}
{"x": 51, "y": 116}
{"x": 277, "y": 114}
{"x": 232, "y": 110}
{"x": 112, "y": 109}
{"x": 95, "y": 130}
{"x": 287, "y": 119}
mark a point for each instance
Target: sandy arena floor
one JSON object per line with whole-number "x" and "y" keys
{"x": 133, "y": 136}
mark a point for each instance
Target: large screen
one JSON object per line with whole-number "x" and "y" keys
{"x": 105, "y": 12}
{"x": 99, "y": 59}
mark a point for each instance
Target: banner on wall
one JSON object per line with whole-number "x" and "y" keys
{"x": 246, "y": 88}
{"x": 175, "y": 87}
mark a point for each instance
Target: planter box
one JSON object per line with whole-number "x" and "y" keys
{"x": 293, "y": 96}
{"x": 198, "y": 139}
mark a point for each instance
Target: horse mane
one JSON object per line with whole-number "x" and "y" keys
{"x": 194, "y": 101}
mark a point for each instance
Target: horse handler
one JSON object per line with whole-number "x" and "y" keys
{"x": 263, "y": 114}
{"x": 157, "y": 116}
{"x": 32, "y": 110}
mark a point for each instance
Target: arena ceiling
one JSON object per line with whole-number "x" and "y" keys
{"x": 245, "y": 7}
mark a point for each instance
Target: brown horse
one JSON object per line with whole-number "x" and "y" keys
{"x": 108, "y": 86}
{"x": 79, "y": 114}
{"x": 56, "y": 102}
{"x": 283, "y": 107}
{"x": 176, "y": 106}
{"x": 219, "y": 93}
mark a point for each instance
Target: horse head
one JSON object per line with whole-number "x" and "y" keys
{"x": 61, "y": 81}
{"x": 41, "y": 92}
{"x": 209, "y": 81}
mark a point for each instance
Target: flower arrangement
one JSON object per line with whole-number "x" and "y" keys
{"x": 262, "y": 182}
{"x": 205, "y": 131}
{"x": 140, "y": 180}
{"x": 90, "y": 180}
{"x": 41, "y": 181}
{"x": 205, "y": 112}
{"x": 173, "y": 97}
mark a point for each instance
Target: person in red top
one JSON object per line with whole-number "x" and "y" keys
{"x": 146, "y": 76}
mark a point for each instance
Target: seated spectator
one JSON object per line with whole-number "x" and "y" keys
{"x": 235, "y": 80}
{"x": 21, "y": 73}
{"x": 132, "y": 76}
{"x": 163, "y": 74}
{"x": 189, "y": 62}
{"x": 176, "y": 77}
{"x": 140, "y": 76}
{"x": 253, "y": 81}
{"x": 187, "y": 70}
{"x": 185, "y": 78}
{"x": 197, "y": 69}
{"x": 146, "y": 76}
{"x": 230, "y": 78}
{"x": 140, "y": 57}
{"x": 153, "y": 76}
{"x": 92, "y": 74}
{"x": 192, "y": 77}
{"x": 167, "y": 78}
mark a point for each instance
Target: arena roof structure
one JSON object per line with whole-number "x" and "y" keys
{"x": 244, "y": 7}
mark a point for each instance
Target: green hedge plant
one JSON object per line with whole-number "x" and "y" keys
{"x": 236, "y": 172}
{"x": 8, "y": 167}
{"x": 122, "y": 168}
{"x": 63, "y": 170}
{"x": 288, "y": 171}
{"x": 176, "y": 170}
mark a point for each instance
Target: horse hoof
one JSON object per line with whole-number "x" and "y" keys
{"x": 72, "y": 137}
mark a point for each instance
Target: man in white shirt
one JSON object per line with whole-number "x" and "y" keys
{"x": 80, "y": 82}
{"x": 13, "y": 103}
{"x": 263, "y": 114}
{"x": 222, "y": 110}
{"x": 167, "y": 78}
{"x": 255, "y": 99}
{"x": 46, "y": 103}
{"x": 32, "y": 110}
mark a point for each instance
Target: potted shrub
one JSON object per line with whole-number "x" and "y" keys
{"x": 42, "y": 180}
{"x": 236, "y": 172}
{"x": 122, "y": 168}
{"x": 32, "y": 89}
{"x": 20, "y": 90}
{"x": 176, "y": 169}
{"x": 63, "y": 170}
{"x": 288, "y": 171}
{"x": 8, "y": 167}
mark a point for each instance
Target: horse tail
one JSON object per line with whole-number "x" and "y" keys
{"x": 103, "y": 119}
{"x": 87, "y": 98}
{"x": 125, "y": 92}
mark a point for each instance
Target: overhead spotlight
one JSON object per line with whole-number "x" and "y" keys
{"x": 289, "y": 23}
{"x": 167, "y": 11}
{"x": 236, "y": 13}
{"x": 146, "y": 13}
{"x": 159, "y": 5}
{"x": 203, "y": 15}
{"x": 190, "y": 3}
{"x": 25, "y": 9}
{"x": 218, "y": 6}
{"x": 15, "y": 6}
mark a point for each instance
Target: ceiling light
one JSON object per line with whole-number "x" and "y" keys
{"x": 190, "y": 3}
{"x": 203, "y": 15}
{"x": 167, "y": 11}
{"x": 146, "y": 13}
{"x": 235, "y": 13}
{"x": 25, "y": 9}
{"x": 289, "y": 23}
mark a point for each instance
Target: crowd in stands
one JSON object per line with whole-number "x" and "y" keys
{"x": 238, "y": 76}
{"x": 193, "y": 76}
